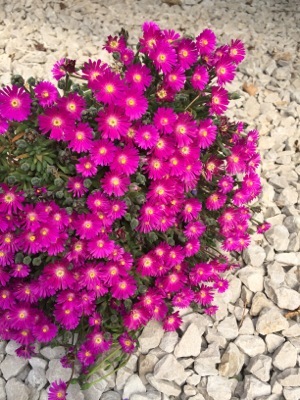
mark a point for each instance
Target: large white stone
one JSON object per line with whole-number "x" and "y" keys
{"x": 190, "y": 343}
{"x": 232, "y": 361}
{"x": 133, "y": 385}
{"x": 285, "y": 356}
{"x": 250, "y": 344}
{"x": 11, "y": 366}
{"x": 271, "y": 320}
{"x": 168, "y": 368}
{"x": 151, "y": 336}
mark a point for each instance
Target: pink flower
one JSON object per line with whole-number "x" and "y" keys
{"x": 92, "y": 70}
{"x": 102, "y": 152}
{"x": 115, "y": 44}
{"x": 194, "y": 229}
{"x": 138, "y": 76}
{"x": 44, "y": 331}
{"x": 58, "y": 274}
{"x": 116, "y": 184}
{"x": 163, "y": 56}
{"x": 199, "y": 78}
{"x": 73, "y": 105}
{"x": 183, "y": 299}
{"x": 215, "y": 201}
{"x": 187, "y": 53}
{"x": 58, "y": 70}
{"x": 262, "y": 228}
{"x": 101, "y": 246}
{"x": 151, "y": 36}
{"x": 200, "y": 273}
{"x": 126, "y": 160}
{"x": 124, "y": 288}
{"x": 219, "y": 100}
{"x": 86, "y": 354}
{"x": 97, "y": 342}
{"x": 206, "y": 42}
{"x": 135, "y": 319}
{"x": 146, "y": 137}
{"x": 57, "y": 390}
{"x": 226, "y": 184}
{"x": 15, "y": 103}
{"x": 108, "y": 87}
{"x": 46, "y": 93}
{"x": 164, "y": 119}
{"x": 134, "y": 103}
{"x": 225, "y": 70}
{"x": 127, "y": 343}
{"x": 172, "y": 322}
{"x": 204, "y": 296}
{"x": 117, "y": 209}
{"x": 175, "y": 79}
{"x": 10, "y": 199}
{"x": 3, "y": 125}
{"x": 113, "y": 123}
{"x": 191, "y": 209}
{"x": 76, "y": 186}
{"x": 156, "y": 168}
{"x": 55, "y": 121}
{"x": 237, "y": 51}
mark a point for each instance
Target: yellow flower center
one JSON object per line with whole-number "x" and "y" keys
{"x": 15, "y": 103}
{"x": 45, "y": 94}
{"x": 112, "y": 121}
{"x": 60, "y": 273}
{"x": 79, "y": 135}
{"x": 56, "y": 122}
{"x": 115, "y": 181}
{"x": 137, "y": 77}
{"x": 9, "y": 198}
{"x": 109, "y": 88}
{"x": 130, "y": 102}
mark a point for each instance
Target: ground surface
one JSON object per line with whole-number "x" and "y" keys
{"x": 249, "y": 350}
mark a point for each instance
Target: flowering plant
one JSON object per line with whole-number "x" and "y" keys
{"x": 119, "y": 194}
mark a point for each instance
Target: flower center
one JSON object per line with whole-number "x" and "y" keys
{"x": 109, "y": 88}
{"x": 56, "y": 122}
{"x": 15, "y": 103}
{"x": 9, "y": 198}
{"x": 115, "y": 181}
{"x": 112, "y": 121}
{"x": 45, "y": 94}
{"x": 137, "y": 77}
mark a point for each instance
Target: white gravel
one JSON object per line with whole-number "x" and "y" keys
{"x": 249, "y": 350}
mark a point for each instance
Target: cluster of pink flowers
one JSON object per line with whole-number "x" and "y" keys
{"x": 152, "y": 152}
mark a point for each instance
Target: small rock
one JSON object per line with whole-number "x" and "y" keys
{"x": 146, "y": 365}
{"x": 56, "y": 371}
{"x": 287, "y": 298}
{"x": 253, "y": 388}
{"x": 220, "y": 388}
{"x": 288, "y": 197}
{"x": 16, "y": 389}
{"x": 2, "y": 389}
{"x": 250, "y": 345}
{"x": 190, "y": 343}
{"x": 213, "y": 336}
{"x": 285, "y": 356}
{"x": 250, "y": 88}
{"x": 270, "y": 320}
{"x": 232, "y": 361}
{"x": 252, "y": 278}
{"x": 193, "y": 379}
{"x": 282, "y": 74}
{"x": 247, "y": 327}
{"x": 122, "y": 376}
{"x": 291, "y": 393}
{"x": 111, "y": 395}
{"x": 254, "y": 255}
{"x": 37, "y": 362}
{"x": 75, "y": 393}
{"x": 168, "y": 388}
{"x": 289, "y": 377}
{"x": 278, "y": 237}
{"x": 96, "y": 390}
{"x": 252, "y": 107}
{"x": 169, "y": 341}
{"x": 273, "y": 341}
{"x": 228, "y": 328}
{"x": 37, "y": 378}
{"x": 52, "y": 353}
{"x": 133, "y": 385}
{"x": 153, "y": 395}
{"x": 11, "y": 347}
{"x": 168, "y": 368}
{"x": 293, "y": 329}
{"x": 260, "y": 366}
{"x": 202, "y": 321}
{"x": 11, "y": 366}
{"x": 205, "y": 364}
{"x": 151, "y": 336}
{"x": 289, "y": 258}
{"x": 259, "y": 302}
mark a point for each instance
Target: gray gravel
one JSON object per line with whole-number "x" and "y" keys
{"x": 250, "y": 349}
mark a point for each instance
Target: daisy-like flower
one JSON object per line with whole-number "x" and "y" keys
{"x": 219, "y": 53}
{"x": 108, "y": 87}
{"x": 124, "y": 288}
{"x": 57, "y": 390}
{"x": 170, "y": 35}
{"x": 21, "y": 317}
{"x": 73, "y": 105}
{"x": 221, "y": 285}
{"x": 134, "y": 103}
{"x": 207, "y": 133}
{"x": 44, "y": 331}
{"x": 46, "y": 93}
{"x": 237, "y": 51}
{"x": 138, "y": 76}
{"x": 127, "y": 343}
{"x": 204, "y": 296}
{"x": 183, "y": 299}
{"x": 126, "y": 160}
{"x": 200, "y": 273}
{"x": 212, "y": 167}
{"x": 92, "y": 70}
{"x": 113, "y": 123}
{"x": 19, "y": 270}
{"x": 164, "y": 57}
{"x": 151, "y": 36}
{"x": 172, "y": 322}
{"x": 116, "y": 184}
{"x": 156, "y": 168}
{"x": 164, "y": 119}
{"x": 194, "y": 229}
{"x": 97, "y": 201}
{"x": 219, "y": 100}
{"x": 225, "y": 184}
{"x": 67, "y": 316}
{"x": 225, "y": 70}
{"x": 80, "y": 137}
{"x": 185, "y": 129}
{"x": 117, "y": 209}
{"x": 206, "y": 42}
{"x": 15, "y": 103}
{"x": 215, "y": 201}
{"x": 58, "y": 70}
{"x": 161, "y": 191}
{"x": 173, "y": 282}
{"x": 87, "y": 226}
{"x": 55, "y": 121}
{"x": 86, "y": 167}
{"x": 101, "y": 246}
{"x": 191, "y": 209}
{"x": 199, "y": 78}
{"x": 31, "y": 242}
{"x": 86, "y": 355}
{"x": 150, "y": 216}
{"x": 76, "y": 187}
{"x": 146, "y": 137}
{"x": 236, "y": 162}
{"x": 187, "y": 53}
{"x": 127, "y": 56}
{"x": 102, "y": 152}
{"x": 115, "y": 44}
{"x": 164, "y": 93}
{"x": 60, "y": 277}
{"x": 97, "y": 342}
{"x": 164, "y": 148}
{"x": 147, "y": 265}
{"x": 136, "y": 318}
{"x": 175, "y": 79}
{"x": 262, "y": 228}
{"x": 10, "y": 199}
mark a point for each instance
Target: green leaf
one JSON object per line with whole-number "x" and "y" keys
{"x": 134, "y": 223}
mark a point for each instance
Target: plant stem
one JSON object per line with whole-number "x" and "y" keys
{"x": 97, "y": 367}
{"x": 192, "y": 102}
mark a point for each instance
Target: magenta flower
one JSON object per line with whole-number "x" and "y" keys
{"x": 113, "y": 123}
{"x": 194, "y": 229}
{"x": 3, "y": 125}
{"x": 219, "y": 100}
{"x": 117, "y": 209}
{"x": 135, "y": 319}
{"x": 262, "y": 228}
{"x": 164, "y": 147}
{"x": 100, "y": 246}
{"x": 147, "y": 265}
{"x": 237, "y": 51}
{"x": 92, "y": 70}
{"x": 127, "y": 343}
{"x": 191, "y": 209}
{"x": 185, "y": 129}
{"x": 86, "y": 355}
{"x": 172, "y": 322}
{"x": 108, "y": 87}
{"x": 115, "y": 44}
{"x": 146, "y": 137}
{"x": 46, "y": 93}
{"x": 215, "y": 201}
{"x": 138, "y": 76}
{"x": 58, "y": 274}
{"x": 225, "y": 70}
{"x": 164, "y": 119}
{"x": 44, "y": 331}
{"x": 102, "y": 152}
{"x": 127, "y": 56}
{"x": 124, "y": 288}
{"x": 226, "y": 184}
{"x": 76, "y": 187}
{"x": 183, "y": 299}
{"x": 151, "y": 36}
{"x": 175, "y": 79}
{"x": 126, "y": 160}
{"x": 134, "y": 103}
{"x": 97, "y": 201}
{"x": 67, "y": 316}
{"x": 97, "y": 342}
{"x": 164, "y": 57}
{"x": 200, "y": 78}
{"x": 57, "y": 390}
{"x": 73, "y": 105}
{"x": 10, "y": 199}
{"x": 206, "y": 42}
{"x": 200, "y": 273}
{"x": 115, "y": 184}
{"x": 86, "y": 167}
{"x": 187, "y": 53}
{"x": 55, "y": 121}
{"x": 58, "y": 70}
{"x": 204, "y": 296}
{"x": 15, "y": 103}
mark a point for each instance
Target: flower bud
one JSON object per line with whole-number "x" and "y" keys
{"x": 59, "y": 194}
{"x": 36, "y": 261}
{"x": 17, "y": 80}
{"x": 31, "y": 81}
{"x": 35, "y": 181}
{"x": 27, "y": 260}
{"x": 58, "y": 182}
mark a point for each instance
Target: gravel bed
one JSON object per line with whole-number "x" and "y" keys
{"x": 250, "y": 348}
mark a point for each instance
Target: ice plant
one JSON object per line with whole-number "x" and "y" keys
{"x": 117, "y": 194}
